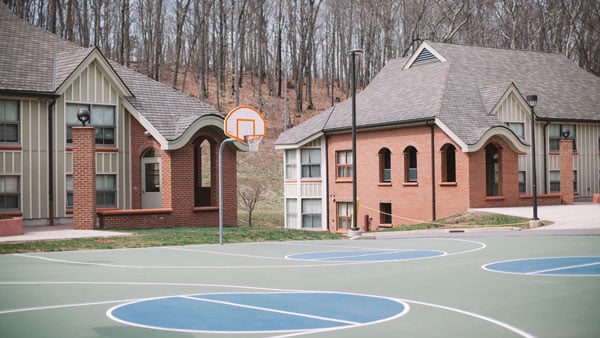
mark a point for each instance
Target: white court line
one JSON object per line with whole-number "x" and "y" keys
{"x": 403, "y": 301}
{"x": 221, "y": 253}
{"x": 315, "y": 264}
{"x": 297, "y": 314}
{"x": 562, "y": 268}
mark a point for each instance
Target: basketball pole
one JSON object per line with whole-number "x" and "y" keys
{"x": 229, "y": 140}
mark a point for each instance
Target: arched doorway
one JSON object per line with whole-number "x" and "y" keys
{"x": 151, "y": 180}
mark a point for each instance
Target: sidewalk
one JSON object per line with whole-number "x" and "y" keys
{"x": 563, "y": 217}
{"x": 63, "y": 231}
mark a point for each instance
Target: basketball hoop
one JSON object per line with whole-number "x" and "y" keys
{"x": 253, "y": 141}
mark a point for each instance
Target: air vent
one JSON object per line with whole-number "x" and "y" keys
{"x": 425, "y": 57}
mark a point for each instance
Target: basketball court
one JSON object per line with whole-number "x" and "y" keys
{"x": 452, "y": 286}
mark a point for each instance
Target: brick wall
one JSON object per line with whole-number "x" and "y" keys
{"x": 411, "y": 202}
{"x": 178, "y": 186}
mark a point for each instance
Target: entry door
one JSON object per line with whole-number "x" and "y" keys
{"x": 151, "y": 192}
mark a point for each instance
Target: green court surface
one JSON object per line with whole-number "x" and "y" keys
{"x": 387, "y": 287}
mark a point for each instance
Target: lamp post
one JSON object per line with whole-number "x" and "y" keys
{"x": 354, "y": 53}
{"x": 532, "y": 101}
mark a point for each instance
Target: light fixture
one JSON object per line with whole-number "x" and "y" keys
{"x": 531, "y": 100}
{"x": 566, "y": 133}
{"x": 83, "y": 115}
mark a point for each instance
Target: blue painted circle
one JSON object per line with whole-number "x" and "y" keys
{"x": 375, "y": 255}
{"x": 257, "y": 312}
{"x": 551, "y": 266}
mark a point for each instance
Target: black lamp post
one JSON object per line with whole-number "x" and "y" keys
{"x": 354, "y": 53}
{"x": 532, "y": 101}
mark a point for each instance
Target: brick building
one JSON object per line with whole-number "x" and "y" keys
{"x": 153, "y": 160}
{"x": 447, "y": 129}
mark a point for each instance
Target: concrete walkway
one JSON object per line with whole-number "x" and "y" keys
{"x": 563, "y": 217}
{"x": 63, "y": 231}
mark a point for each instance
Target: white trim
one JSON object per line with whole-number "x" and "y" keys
{"x": 424, "y": 45}
{"x": 301, "y": 143}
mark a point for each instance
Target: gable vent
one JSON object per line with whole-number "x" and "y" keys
{"x": 425, "y": 57}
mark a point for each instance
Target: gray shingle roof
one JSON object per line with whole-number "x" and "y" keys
{"x": 35, "y": 61}
{"x": 462, "y": 91}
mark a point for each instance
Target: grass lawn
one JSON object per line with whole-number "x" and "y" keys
{"x": 262, "y": 231}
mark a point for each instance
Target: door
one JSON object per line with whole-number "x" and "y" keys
{"x": 151, "y": 192}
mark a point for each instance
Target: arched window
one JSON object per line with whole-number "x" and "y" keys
{"x": 385, "y": 166}
{"x": 410, "y": 164}
{"x": 204, "y": 175}
{"x": 448, "y": 163}
{"x": 493, "y": 170}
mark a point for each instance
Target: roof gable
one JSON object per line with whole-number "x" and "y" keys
{"x": 423, "y": 55}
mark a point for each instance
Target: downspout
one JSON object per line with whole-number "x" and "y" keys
{"x": 51, "y": 146}
{"x": 433, "y": 199}
{"x": 544, "y": 128}
{"x": 51, "y": 162}
{"x": 326, "y": 183}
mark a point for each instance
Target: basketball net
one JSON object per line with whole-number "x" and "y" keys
{"x": 253, "y": 141}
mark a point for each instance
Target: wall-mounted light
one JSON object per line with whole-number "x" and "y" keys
{"x": 83, "y": 116}
{"x": 566, "y": 133}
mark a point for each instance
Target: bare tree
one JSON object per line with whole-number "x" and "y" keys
{"x": 250, "y": 194}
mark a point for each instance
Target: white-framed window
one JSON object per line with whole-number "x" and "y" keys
{"x": 291, "y": 168}
{"x": 344, "y": 165}
{"x": 291, "y": 205}
{"x": 106, "y": 191}
{"x": 518, "y": 128}
{"x": 311, "y": 213}
{"x": 575, "y": 182}
{"x": 557, "y": 132}
{"x": 10, "y": 120}
{"x": 522, "y": 182}
{"x": 101, "y": 117}
{"x": 10, "y": 191}
{"x": 554, "y": 180}
{"x": 311, "y": 163}
{"x": 344, "y": 215}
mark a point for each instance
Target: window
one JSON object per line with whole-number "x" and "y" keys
{"x": 344, "y": 215}
{"x": 554, "y": 181}
{"x": 204, "y": 172}
{"x": 518, "y": 128}
{"x": 522, "y": 182}
{"x": 101, "y": 117}
{"x": 344, "y": 164}
{"x": 385, "y": 166}
{"x": 291, "y": 212}
{"x": 492, "y": 170}
{"x": 290, "y": 164}
{"x": 311, "y": 163}
{"x": 575, "y": 181}
{"x": 311, "y": 213}
{"x": 410, "y": 164}
{"x": 448, "y": 163}
{"x": 9, "y": 193}
{"x": 385, "y": 213}
{"x": 556, "y": 132}
{"x": 69, "y": 190}
{"x": 9, "y": 121}
{"x": 106, "y": 191}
